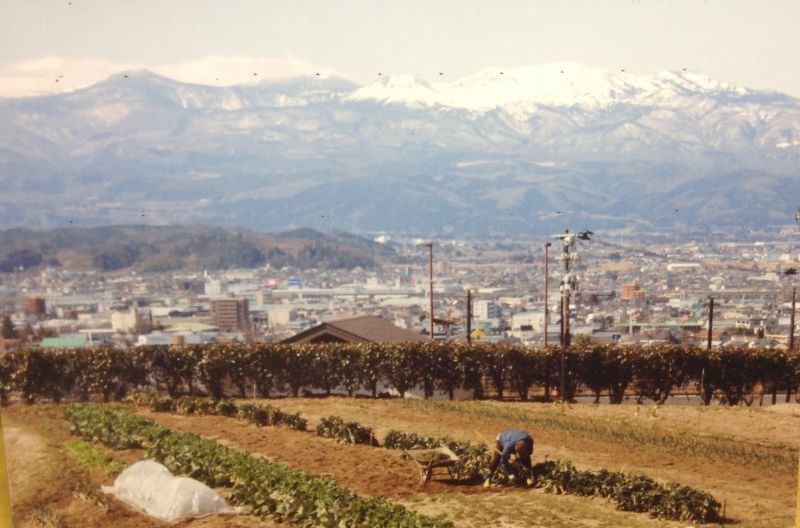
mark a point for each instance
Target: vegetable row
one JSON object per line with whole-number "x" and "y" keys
{"x": 257, "y": 414}
{"x": 268, "y": 488}
{"x": 629, "y": 492}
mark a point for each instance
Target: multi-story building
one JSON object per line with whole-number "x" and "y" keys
{"x": 632, "y": 292}
{"x": 231, "y": 314}
{"x": 485, "y": 310}
{"x": 34, "y": 306}
{"x": 126, "y": 321}
{"x": 214, "y": 287}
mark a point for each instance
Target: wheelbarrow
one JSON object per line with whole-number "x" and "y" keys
{"x": 429, "y": 459}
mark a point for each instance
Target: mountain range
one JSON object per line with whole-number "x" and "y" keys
{"x": 505, "y": 151}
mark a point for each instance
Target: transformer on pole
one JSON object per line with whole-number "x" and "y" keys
{"x": 569, "y": 281}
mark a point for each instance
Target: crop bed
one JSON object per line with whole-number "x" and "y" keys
{"x": 268, "y": 488}
{"x": 752, "y": 487}
{"x": 629, "y": 492}
{"x": 758, "y": 490}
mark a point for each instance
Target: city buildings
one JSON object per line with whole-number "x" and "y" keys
{"x": 646, "y": 290}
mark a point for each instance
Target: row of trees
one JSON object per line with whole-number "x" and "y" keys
{"x": 731, "y": 375}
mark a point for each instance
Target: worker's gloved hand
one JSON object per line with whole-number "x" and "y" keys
{"x": 512, "y": 477}
{"x": 529, "y": 482}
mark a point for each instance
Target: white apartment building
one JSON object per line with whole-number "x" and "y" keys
{"x": 485, "y": 310}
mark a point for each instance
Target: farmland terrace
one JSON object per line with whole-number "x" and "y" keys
{"x": 745, "y": 457}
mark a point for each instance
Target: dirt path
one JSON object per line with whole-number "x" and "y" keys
{"x": 751, "y": 492}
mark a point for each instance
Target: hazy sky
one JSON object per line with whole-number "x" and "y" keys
{"x": 750, "y": 43}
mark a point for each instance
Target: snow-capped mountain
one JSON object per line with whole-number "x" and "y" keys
{"x": 497, "y": 151}
{"x": 549, "y": 85}
{"x": 403, "y": 89}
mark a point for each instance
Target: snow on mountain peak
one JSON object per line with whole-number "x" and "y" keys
{"x": 696, "y": 82}
{"x": 405, "y": 89}
{"x": 556, "y": 84}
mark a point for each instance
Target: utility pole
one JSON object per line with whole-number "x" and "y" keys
{"x": 569, "y": 282}
{"x": 430, "y": 285}
{"x": 791, "y": 321}
{"x": 469, "y": 317}
{"x": 710, "y": 321}
{"x": 546, "y": 275}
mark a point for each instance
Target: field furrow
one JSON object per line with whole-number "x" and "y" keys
{"x": 752, "y": 490}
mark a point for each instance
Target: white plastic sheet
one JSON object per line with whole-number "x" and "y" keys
{"x": 150, "y": 487}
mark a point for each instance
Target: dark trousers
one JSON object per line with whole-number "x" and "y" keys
{"x": 522, "y": 449}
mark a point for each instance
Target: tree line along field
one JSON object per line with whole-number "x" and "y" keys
{"x": 745, "y": 457}
{"x": 654, "y": 373}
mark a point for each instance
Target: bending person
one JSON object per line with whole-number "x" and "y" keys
{"x": 518, "y": 443}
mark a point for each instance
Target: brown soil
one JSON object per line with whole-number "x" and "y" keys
{"x": 750, "y": 492}
{"x": 369, "y": 471}
{"x": 42, "y": 475}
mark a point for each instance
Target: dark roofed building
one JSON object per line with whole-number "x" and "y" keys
{"x": 364, "y": 329}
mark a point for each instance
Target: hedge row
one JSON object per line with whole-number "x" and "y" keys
{"x": 731, "y": 375}
{"x": 270, "y": 489}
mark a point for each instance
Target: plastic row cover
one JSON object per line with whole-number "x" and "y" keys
{"x": 150, "y": 487}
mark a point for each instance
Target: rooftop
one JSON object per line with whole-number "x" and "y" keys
{"x": 363, "y": 329}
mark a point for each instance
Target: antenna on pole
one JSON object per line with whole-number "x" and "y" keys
{"x": 569, "y": 281}
{"x": 429, "y": 245}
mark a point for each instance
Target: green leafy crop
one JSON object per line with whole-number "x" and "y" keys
{"x": 346, "y": 432}
{"x": 269, "y": 488}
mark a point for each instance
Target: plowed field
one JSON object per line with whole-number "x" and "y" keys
{"x": 757, "y": 492}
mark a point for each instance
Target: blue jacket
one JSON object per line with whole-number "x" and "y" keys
{"x": 508, "y": 440}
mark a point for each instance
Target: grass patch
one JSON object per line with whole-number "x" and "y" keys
{"x": 89, "y": 457}
{"x": 779, "y": 457}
